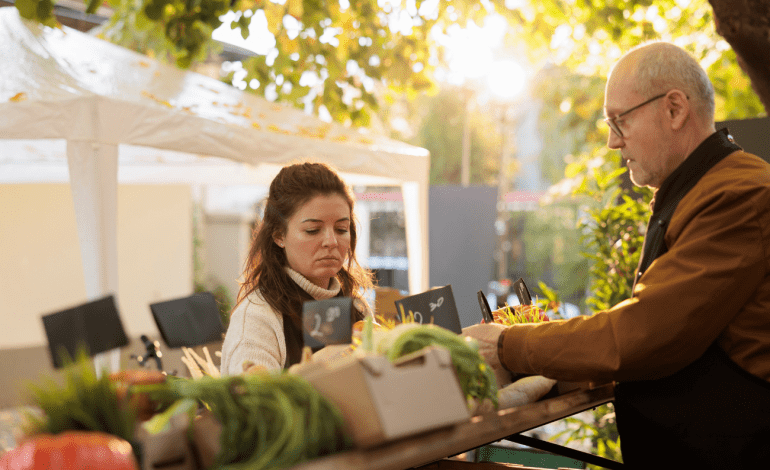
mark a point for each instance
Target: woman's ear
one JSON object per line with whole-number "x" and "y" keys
{"x": 278, "y": 239}
{"x": 677, "y": 108}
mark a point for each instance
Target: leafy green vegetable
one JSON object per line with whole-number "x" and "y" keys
{"x": 269, "y": 420}
{"x": 84, "y": 403}
{"x": 476, "y": 377}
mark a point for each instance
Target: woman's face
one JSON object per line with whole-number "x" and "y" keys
{"x": 317, "y": 238}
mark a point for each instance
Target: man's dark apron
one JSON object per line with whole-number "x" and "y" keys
{"x": 712, "y": 413}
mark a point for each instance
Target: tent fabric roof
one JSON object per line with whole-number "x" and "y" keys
{"x": 53, "y": 74}
{"x": 45, "y": 160}
{"x": 107, "y": 103}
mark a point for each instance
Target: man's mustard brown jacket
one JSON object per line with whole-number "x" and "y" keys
{"x": 712, "y": 285}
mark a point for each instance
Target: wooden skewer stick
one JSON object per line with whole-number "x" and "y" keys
{"x": 195, "y": 371}
{"x": 213, "y": 371}
{"x": 207, "y": 367}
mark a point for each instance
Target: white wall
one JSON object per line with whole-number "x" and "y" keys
{"x": 40, "y": 266}
{"x": 226, "y": 242}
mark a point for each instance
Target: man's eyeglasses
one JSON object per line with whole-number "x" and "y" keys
{"x": 614, "y": 126}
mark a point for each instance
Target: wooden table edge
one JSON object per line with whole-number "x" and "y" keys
{"x": 434, "y": 445}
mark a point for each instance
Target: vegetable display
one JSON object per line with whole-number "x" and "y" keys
{"x": 269, "y": 420}
{"x": 73, "y": 450}
{"x": 84, "y": 402}
{"x": 519, "y": 314}
{"x": 476, "y": 378}
{"x": 524, "y": 389}
{"x": 257, "y": 421}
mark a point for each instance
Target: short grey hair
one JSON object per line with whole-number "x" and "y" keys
{"x": 661, "y": 66}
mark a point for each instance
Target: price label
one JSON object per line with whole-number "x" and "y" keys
{"x": 522, "y": 293}
{"x": 95, "y": 325}
{"x": 327, "y": 321}
{"x": 435, "y": 306}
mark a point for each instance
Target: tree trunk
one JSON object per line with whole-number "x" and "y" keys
{"x": 745, "y": 25}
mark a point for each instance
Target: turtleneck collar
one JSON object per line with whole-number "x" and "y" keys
{"x": 318, "y": 293}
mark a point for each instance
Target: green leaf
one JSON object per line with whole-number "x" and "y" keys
{"x": 27, "y": 9}
{"x": 160, "y": 422}
{"x": 92, "y": 6}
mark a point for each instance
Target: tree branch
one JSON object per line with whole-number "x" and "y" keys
{"x": 745, "y": 25}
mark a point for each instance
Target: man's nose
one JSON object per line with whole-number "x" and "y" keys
{"x": 614, "y": 141}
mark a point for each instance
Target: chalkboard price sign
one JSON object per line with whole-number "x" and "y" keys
{"x": 95, "y": 325}
{"x": 522, "y": 293}
{"x": 327, "y": 321}
{"x": 436, "y": 306}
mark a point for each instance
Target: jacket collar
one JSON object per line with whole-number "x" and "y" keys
{"x": 710, "y": 152}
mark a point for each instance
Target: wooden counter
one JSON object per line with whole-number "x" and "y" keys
{"x": 480, "y": 430}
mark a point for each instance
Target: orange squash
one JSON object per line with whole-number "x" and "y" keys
{"x": 72, "y": 450}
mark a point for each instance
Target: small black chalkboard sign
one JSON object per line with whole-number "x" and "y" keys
{"x": 93, "y": 325}
{"x": 436, "y": 306}
{"x": 522, "y": 293}
{"x": 327, "y": 322}
{"x": 188, "y": 321}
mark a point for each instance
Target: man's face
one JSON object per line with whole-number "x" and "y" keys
{"x": 644, "y": 145}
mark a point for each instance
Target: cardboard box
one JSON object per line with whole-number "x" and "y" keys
{"x": 169, "y": 449}
{"x": 206, "y": 437}
{"x": 381, "y": 401}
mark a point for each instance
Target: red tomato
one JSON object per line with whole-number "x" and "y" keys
{"x": 72, "y": 450}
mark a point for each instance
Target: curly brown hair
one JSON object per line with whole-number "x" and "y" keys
{"x": 294, "y": 186}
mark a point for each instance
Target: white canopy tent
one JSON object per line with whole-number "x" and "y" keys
{"x": 110, "y": 105}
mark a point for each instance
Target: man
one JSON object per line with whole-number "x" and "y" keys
{"x": 690, "y": 350}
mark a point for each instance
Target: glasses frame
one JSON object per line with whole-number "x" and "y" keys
{"x": 614, "y": 126}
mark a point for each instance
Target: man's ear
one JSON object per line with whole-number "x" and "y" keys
{"x": 677, "y": 108}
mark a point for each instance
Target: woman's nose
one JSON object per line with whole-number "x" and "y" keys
{"x": 330, "y": 239}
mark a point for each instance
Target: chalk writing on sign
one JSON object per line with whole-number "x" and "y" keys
{"x": 327, "y": 321}
{"x": 436, "y": 306}
{"x": 332, "y": 313}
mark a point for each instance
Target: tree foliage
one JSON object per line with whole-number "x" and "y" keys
{"x": 441, "y": 131}
{"x": 337, "y": 54}
{"x": 327, "y": 55}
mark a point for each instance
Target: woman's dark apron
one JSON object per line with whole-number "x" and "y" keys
{"x": 712, "y": 413}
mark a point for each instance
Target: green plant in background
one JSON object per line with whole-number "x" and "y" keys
{"x": 550, "y": 302}
{"x": 599, "y": 428}
{"x": 613, "y": 231}
{"x": 222, "y": 296}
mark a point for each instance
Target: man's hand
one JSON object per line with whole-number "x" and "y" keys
{"x": 487, "y": 334}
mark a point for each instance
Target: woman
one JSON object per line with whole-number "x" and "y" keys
{"x": 304, "y": 249}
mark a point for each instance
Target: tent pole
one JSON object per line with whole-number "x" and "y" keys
{"x": 415, "y": 196}
{"x": 93, "y": 169}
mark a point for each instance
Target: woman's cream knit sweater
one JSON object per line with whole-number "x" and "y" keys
{"x": 255, "y": 332}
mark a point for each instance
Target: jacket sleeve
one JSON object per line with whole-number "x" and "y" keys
{"x": 681, "y": 304}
